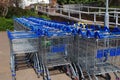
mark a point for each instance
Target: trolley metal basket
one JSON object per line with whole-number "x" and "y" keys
{"x": 99, "y": 54}
{"x": 23, "y": 43}
{"x": 54, "y": 50}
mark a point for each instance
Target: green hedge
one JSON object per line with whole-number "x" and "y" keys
{"x": 6, "y": 24}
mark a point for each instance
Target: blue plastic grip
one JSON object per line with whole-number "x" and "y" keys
{"x": 100, "y": 53}
{"x": 58, "y": 48}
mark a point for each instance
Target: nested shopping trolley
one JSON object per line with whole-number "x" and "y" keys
{"x": 98, "y": 53}
{"x": 23, "y": 44}
{"x": 52, "y": 54}
{"x": 23, "y": 24}
{"x": 54, "y": 50}
{"x": 19, "y": 24}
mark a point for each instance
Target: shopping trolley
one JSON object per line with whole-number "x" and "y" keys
{"x": 98, "y": 52}
{"x": 55, "y": 46}
{"x": 18, "y": 24}
{"x": 23, "y": 24}
{"x": 24, "y": 44}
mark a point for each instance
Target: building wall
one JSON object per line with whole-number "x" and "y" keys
{"x": 4, "y": 1}
{"x": 25, "y": 3}
{"x": 53, "y": 2}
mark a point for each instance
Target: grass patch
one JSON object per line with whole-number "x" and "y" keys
{"x": 45, "y": 17}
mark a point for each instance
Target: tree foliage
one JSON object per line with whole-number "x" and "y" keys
{"x": 98, "y": 2}
{"x": 76, "y": 1}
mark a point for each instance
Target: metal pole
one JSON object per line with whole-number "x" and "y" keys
{"x": 69, "y": 13}
{"x": 80, "y": 15}
{"x": 116, "y": 19}
{"x": 94, "y": 18}
{"x": 106, "y": 22}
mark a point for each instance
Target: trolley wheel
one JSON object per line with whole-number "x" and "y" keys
{"x": 13, "y": 78}
{"x": 68, "y": 71}
{"x": 38, "y": 76}
{"x": 108, "y": 77}
{"x": 117, "y": 78}
{"x": 75, "y": 78}
{"x": 79, "y": 73}
{"x": 44, "y": 78}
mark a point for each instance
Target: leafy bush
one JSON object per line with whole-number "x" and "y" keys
{"x": 19, "y": 12}
{"x": 6, "y": 24}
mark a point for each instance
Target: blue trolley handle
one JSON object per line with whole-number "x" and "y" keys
{"x": 88, "y": 33}
{"x": 79, "y": 31}
{"x": 74, "y": 31}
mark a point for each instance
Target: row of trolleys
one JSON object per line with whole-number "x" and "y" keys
{"x": 81, "y": 51}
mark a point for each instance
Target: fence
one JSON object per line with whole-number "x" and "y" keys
{"x": 93, "y": 17}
